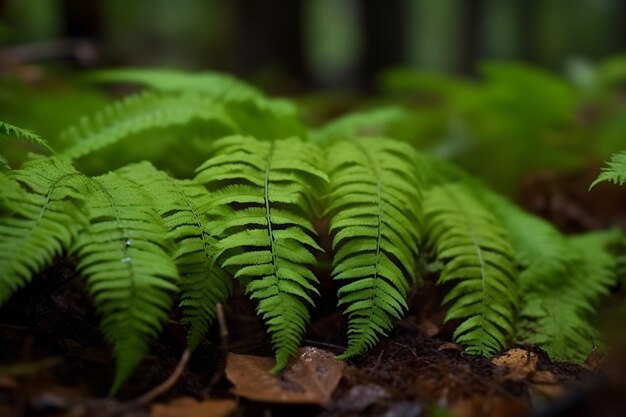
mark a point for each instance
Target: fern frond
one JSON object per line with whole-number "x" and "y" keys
{"x": 139, "y": 113}
{"x": 218, "y": 86}
{"x": 557, "y": 317}
{"x": 202, "y": 283}
{"x": 479, "y": 260}
{"x": 7, "y": 129}
{"x": 43, "y": 203}
{"x": 261, "y": 200}
{"x": 125, "y": 256}
{"x": 374, "y": 207}
{"x": 615, "y": 171}
{"x": 370, "y": 123}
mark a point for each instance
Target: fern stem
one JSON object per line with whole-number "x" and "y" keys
{"x": 268, "y": 215}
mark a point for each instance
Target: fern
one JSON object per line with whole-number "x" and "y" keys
{"x": 479, "y": 260}
{"x": 43, "y": 206}
{"x": 615, "y": 171}
{"x": 372, "y": 123}
{"x": 256, "y": 114}
{"x": 7, "y": 129}
{"x": 557, "y": 317}
{"x": 125, "y": 256}
{"x": 374, "y": 208}
{"x": 261, "y": 201}
{"x": 202, "y": 284}
{"x": 139, "y": 113}
{"x": 217, "y": 86}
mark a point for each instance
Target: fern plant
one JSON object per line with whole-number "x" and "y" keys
{"x": 374, "y": 207}
{"x": 141, "y": 235}
{"x": 479, "y": 261}
{"x": 41, "y": 206}
{"x": 615, "y": 171}
{"x": 262, "y": 198}
{"x": 9, "y": 130}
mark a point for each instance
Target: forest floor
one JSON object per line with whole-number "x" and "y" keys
{"x": 54, "y": 362}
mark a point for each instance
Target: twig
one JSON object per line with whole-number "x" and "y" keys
{"x": 221, "y": 320}
{"x": 324, "y": 344}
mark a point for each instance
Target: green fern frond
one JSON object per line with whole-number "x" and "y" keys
{"x": 363, "y": 123}
{"x": 542, "y": 253}
{"x": 479, "y": 260}
{"x": 7, "y": 130}
{"x": 42, "y": 202}
{"x": 615, "y": 171}
{"x": 139, "y": 113}
{"x": 218, "y": 86}
{"x": 374, "y": 206}
{"x": 202, "y": 284}
{"x": 261, "y": 202}
{"x": 125, "y": 256}
{"x": 557, "y": 317}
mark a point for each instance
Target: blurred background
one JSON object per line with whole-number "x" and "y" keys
{"x": 304, "y": 44}
{"x": 534, "y": 87}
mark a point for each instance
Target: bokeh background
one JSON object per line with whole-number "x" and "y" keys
{"x": 303, "y": 44}
{"x": 519, "y": 92}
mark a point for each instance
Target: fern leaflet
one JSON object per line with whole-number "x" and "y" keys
{"x": 126, "y": 259}
{"x": 556, "y": 316}
{"x": 615, "y": 171}
{"x": 479, "y": 260}
{"x": 261, "y": 201}
{"x": 43, "y": 203}
{"x": 138, "y": 113}
{"x": 374, "y": 209}
{"x": 7, "y": 129}
{"x": 202, "y": 284}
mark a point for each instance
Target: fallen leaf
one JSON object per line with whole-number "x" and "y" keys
{"x": 547, "y": 383}
{"x": 449, "y": 346}
{"x": 190, "y": 407}
{"x": 310, "y": 378}
{"x": 519, "y": 363}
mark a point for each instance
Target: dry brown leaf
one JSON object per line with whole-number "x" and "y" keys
{"x": 547, "y": 383}
{"x": 450, "y": 347}
{"x": 190, "y": 407}
{"x": 310, "y": 378}
{"x": 519, "y": 363}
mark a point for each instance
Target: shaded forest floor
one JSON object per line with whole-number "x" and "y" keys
{"x": 54, "y": 361}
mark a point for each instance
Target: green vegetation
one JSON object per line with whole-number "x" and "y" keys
{"x": 201, "y": 178}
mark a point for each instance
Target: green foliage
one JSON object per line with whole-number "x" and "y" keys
{"x": 138, "y": 113}
{"x": 179, "y": 204}
{"x": 126, "y": 258}
{"x": 8, "y": 130}
{"x": 262, "y": 193}
{"x": 479, "y": 261}
{"x": 40, "y": 206}
{"x": 615, "y": 171}
{"x": 263, "y": 117}
{"x": 141, "y": 234}
{"x": 374, "y": 207}
{"x": 556, "y": 315}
